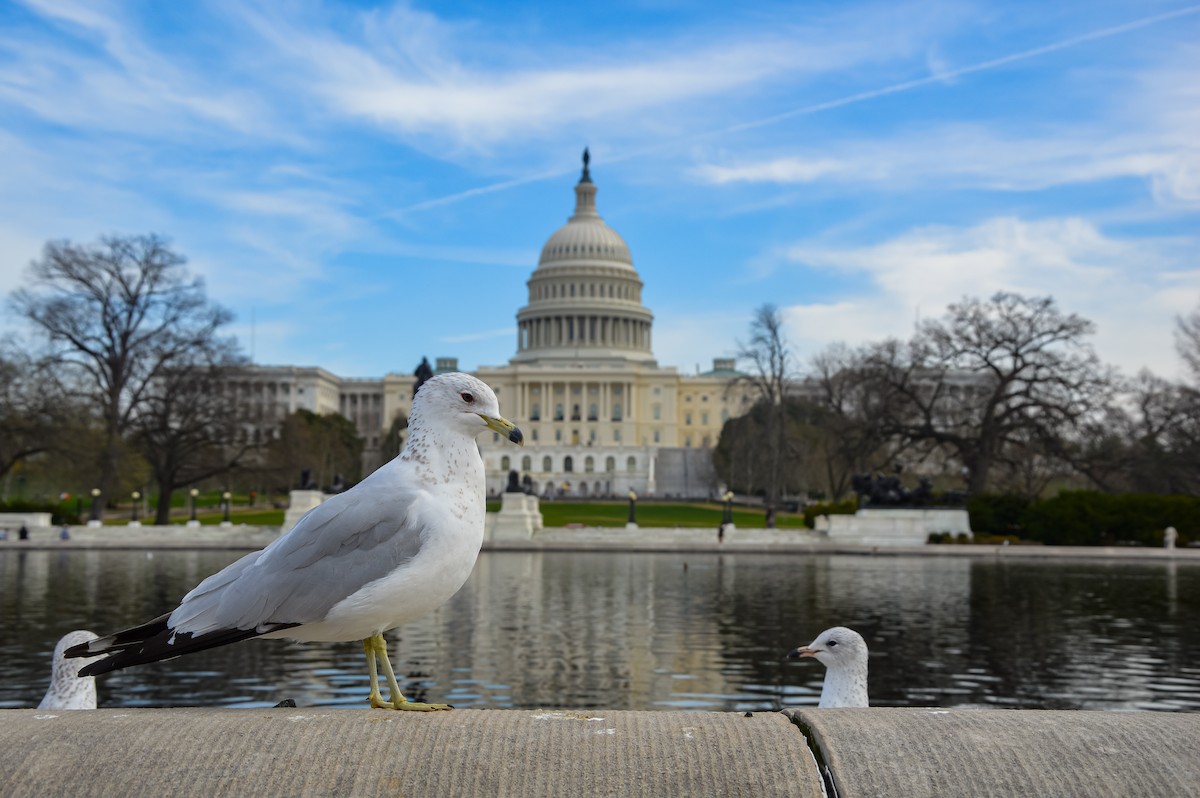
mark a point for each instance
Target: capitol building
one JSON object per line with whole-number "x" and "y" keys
{"x": 601, "y": 417}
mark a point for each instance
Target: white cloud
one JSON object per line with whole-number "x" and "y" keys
{"x": 1131, "y": 288}
{"x": 947, "y": 157}
{"x": 779, "y": 170}
{"x": 108, "y": 79}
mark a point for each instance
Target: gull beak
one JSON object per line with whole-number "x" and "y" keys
{"x": 504, "y": 427}
{"x": 803, "y": 651}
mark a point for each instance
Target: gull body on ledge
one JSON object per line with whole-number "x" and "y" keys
{"x": 394, "y": 547}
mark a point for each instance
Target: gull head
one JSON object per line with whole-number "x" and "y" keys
{"x": 460, "y": 401}
{"x": 838, "y": 647}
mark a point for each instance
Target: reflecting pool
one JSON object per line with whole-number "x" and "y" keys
{"x": 658, "y": 631}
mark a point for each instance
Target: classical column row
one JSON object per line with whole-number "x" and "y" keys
{"x": 546, "y": 398}
{"x": 584, "y": 330}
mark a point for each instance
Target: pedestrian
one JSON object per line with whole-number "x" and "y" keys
{"x": 1169, "y": 537}
{"x": 721, "y": 533}
{"x": 23, "y": 533}
{"x": 65, "y": 532}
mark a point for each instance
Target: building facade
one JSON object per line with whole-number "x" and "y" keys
{"x": 601, "y": 417}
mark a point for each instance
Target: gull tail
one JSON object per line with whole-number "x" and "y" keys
{"x": 154, "y": 641}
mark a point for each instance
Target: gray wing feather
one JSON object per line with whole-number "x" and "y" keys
{"x": 334, "y": 550}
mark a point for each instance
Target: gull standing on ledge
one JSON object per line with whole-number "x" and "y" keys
{"x": 844, "y": 654}
{"x": 389, "y": 550}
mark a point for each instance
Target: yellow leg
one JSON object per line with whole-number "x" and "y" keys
{"x": 376, "y": 647}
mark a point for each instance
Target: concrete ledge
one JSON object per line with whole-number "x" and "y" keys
{"x": 859, "y": 752}
{"x": 290, "y": 752}
{"x": 940, "y": 752}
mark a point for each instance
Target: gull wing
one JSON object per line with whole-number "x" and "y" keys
{"x": 342, "y": 544}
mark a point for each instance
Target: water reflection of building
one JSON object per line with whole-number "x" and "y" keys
{"x": 600, "y": 415}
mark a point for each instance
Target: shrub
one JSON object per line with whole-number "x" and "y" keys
{"x": 1088, "y": 518}
{"x": 847, "y": 507}
{"x": 998, "y": 515}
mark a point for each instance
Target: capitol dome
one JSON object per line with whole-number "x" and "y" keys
{"x": 585, "y": 237}
{"x": 585, "y": 297}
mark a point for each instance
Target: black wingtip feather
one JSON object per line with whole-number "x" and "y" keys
{"x": 155, "y": 641}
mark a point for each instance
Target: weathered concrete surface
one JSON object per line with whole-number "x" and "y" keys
{"x": 982, "y": 753}
{"x": 297, "y": 752}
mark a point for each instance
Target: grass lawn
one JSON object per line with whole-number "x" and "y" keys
{"x": 660, "y": 514}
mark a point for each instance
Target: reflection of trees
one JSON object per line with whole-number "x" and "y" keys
{"x": 1081, "y": 635}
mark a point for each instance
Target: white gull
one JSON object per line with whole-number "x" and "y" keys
{"x": 389, "y": 550}
{"x": 843, "y": 652}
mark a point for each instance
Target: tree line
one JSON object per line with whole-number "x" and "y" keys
{"x": 1001, "y": 395}
{"x": 125, "y": 381}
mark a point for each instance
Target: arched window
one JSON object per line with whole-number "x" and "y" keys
{"x": 631, "y": 465}
{"x": 616, "y": 414}
{"x": 533, "y": 435}
{"x": 589, "y": 465}
{"x": 568, "y": 464}
{"x": 657, "y": 410}
{"x": 526, "y": 463}
{"x": 610, "y": 464}
{"x": 546, "y": 465}
{"x": 505, "y": 463}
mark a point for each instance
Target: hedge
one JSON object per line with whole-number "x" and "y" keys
{"x": 1088, "y": 518}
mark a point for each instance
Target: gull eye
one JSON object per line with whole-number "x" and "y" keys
{"x": 468, "y": 397}
{"x": 832, "y": 643}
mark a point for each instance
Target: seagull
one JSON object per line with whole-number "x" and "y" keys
{"x": 844, "y": 654}
{"x": 389, "y": 550}
{"x": 66, "y": 690}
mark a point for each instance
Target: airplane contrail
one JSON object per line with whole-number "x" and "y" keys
{"x": 841, "y": 102}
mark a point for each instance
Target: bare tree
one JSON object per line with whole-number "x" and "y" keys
{"x": 769, "y": 376}
{"x": 189, "y": 426}
{"x": 1187, "y": 342}
{"x": 1147, "y": 441}
{"x": 327, "y": 446}
{"x": 855, "y": 441}
{"x": 32, "y": 410}
{"x": 989, "y": 379}
{"x": 116, "y": 314}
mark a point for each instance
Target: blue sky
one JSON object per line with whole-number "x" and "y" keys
{"x": 367, "y": 183}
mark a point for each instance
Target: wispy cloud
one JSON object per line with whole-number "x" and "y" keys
{"x": 1132, "y": 288}
{"x": 110, "y": 79}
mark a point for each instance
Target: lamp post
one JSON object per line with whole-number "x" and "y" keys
{"x": 192, "y": 520}
{"x": 137, "y": 500}
{"x": 726, "y": 517}
{"x": 226, "y": 497}
{"x": 632, "y": 523}
{"x": 94, "y": 518}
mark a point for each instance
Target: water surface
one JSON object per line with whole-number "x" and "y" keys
{"x": 658, "y": 631}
